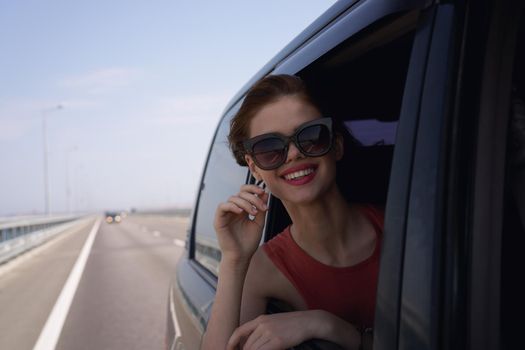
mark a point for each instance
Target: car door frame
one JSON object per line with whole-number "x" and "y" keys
{"x": 440, "y": 264}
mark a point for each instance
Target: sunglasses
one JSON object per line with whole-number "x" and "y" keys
{"x": 312, "y": 139}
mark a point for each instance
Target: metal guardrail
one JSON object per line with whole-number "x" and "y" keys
{"x": 18, "y": 235}
{"x": 16, "y": 227}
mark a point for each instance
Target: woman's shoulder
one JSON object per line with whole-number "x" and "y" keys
{"x": 374, "y": 213}
{"x": 278, "y": 243}
{"x": 267, "y": 281}
{"x": 262, "y": 276}
{"x": 263, "y": 263}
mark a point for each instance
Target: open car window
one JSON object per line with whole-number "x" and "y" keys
{"x": 360, "y": 83}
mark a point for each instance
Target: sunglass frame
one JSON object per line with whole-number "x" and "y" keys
{"x": 250, "y": 143}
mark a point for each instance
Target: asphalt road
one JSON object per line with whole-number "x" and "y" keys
{"x": 121, "y": 299}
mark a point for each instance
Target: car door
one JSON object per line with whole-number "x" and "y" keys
{"x": 193, "y": 289}
{"x": 441, "y": 269}
{"x": 361, "y": 31}
{"x": 421, "y": 68}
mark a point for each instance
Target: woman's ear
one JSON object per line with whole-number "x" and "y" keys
{"x": 252, "y": 166}
{"x": 339, "y": 147}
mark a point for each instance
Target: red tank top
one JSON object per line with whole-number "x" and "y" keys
{"x": 348, "y": 292}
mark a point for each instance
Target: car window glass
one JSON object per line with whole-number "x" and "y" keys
{"x": 222, "y": 179}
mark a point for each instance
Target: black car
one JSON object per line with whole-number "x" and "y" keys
{"x": 434, "y": 91}
{"x": 113, "y": 217}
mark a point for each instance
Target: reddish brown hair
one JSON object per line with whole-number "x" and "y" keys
{"x": 267, "y": 90}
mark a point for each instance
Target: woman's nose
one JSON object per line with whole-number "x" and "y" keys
{"x": 293, "y": 152}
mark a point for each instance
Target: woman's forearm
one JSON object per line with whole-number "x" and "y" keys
{"x": 224, "y": 318}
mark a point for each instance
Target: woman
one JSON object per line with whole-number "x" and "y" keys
{"x": 325, "y": 264}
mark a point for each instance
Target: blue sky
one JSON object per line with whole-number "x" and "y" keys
{"x": 142, "y": 85}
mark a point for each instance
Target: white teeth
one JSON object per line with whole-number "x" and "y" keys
{"x": 297, "y": 174}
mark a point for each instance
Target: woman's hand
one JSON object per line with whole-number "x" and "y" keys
{"x": 284, "y": 330}
{"x": 276, "y": 331}
{"x": 237, "y": 233}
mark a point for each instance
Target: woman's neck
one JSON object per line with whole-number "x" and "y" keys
{"x": 326, "y": 217}
{"x": 330, "y": 229}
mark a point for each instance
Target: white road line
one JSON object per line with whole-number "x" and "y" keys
{"x": 179, "y": 242}
{"x": 49, "y": 335}
{"x": 156, "y": 233}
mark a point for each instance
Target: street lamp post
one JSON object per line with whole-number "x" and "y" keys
{"x": 44, "y": 139}
{"x": 68, "y": 185}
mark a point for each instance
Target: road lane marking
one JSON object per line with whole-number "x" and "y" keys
{"x": 156, "y": 233}
{"x": 179, "y": 242}
{"x": 50, "y": 334}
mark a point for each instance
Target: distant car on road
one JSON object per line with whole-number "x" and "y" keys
{"x": 113, "y": 217}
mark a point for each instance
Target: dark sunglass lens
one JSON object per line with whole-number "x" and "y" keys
{"x": 314, "y": 140}
{"x": 269, "y": 152}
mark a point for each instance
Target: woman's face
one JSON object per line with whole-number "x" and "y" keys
{"x": 301, "y": 179}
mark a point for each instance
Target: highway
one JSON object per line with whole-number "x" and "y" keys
{"x": 121, "y": 298}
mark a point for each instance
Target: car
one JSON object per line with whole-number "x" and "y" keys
{"x": 433, "y": 90}
{"x": 113, "y": 217}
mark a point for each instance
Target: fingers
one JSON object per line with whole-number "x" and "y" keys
{"x": 254, "y": 200}
{"x": 264, "y": 343}
{"x": 244, "y": 204}
{"x": 252, "y": 189}
{"x": 240, "y": 333}
{"x": 251, "y": 199}
{"x": 257, "y": 336}
{"x": 228, "y": 207}
{"x": 249, "y": 192}
{"x": 256, "y": 339}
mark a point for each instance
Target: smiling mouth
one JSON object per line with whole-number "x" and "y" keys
{"x": 299, "y": 174}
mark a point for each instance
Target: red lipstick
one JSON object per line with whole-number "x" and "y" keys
{"x": 299, "y": 175}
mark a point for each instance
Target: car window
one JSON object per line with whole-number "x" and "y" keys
{"x": 222, "y": 178}
{"x": 358, "y": 88}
